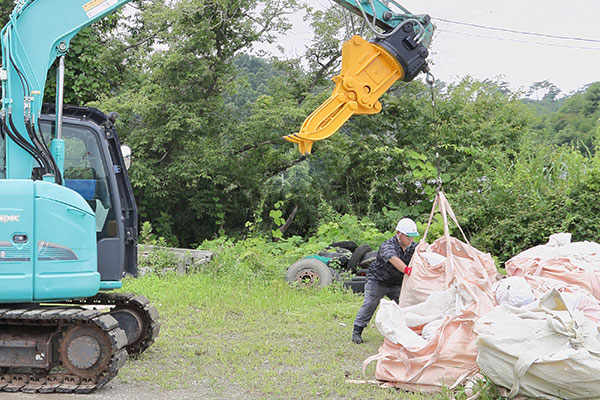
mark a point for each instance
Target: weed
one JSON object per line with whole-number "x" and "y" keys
{"x": 236, "y": 328}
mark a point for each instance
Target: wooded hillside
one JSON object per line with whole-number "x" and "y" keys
{"x": 205, "y": 120}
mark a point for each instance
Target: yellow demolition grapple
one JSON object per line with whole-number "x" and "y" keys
{"x": 368, "y": 71}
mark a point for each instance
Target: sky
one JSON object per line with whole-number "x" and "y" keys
{"x": 459, "y": 50}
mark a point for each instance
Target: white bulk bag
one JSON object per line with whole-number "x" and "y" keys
{"x": 540, "y": 350}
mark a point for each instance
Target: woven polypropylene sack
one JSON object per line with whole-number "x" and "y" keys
{"x": 448, "y": 353}
{"x": 560, "y": 265}
{"x": 447, "y": 357}
{"x": 473, "y": 271}
{"x": 541, "y": 350}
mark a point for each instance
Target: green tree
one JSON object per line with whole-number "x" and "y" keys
{"x": 191, "y": 166}
{"x": 383, "y": 165}
{"x": 91, "y": 68}
{"x": 573, "y": 120}
{"x": 6, "y": 7}
{"x": 96, "y": 60}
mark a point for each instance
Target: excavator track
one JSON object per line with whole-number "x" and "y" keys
{"x": 76, "y": 347}
{"x": 58, "y": 349}
{"x": 135, "y": 315}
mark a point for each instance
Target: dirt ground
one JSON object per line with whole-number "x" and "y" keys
{"x": 117, "y": 390}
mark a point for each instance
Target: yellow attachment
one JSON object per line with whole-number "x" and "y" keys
{"x": 367, "y": 72}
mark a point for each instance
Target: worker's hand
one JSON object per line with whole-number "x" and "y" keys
{"x": 407, "y": 271}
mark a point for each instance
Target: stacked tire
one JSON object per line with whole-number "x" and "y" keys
{"x": 340, "y": 256}
{"x": 309, "y": 272}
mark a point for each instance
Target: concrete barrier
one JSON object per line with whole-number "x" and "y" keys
{"x": 187, "y": 259}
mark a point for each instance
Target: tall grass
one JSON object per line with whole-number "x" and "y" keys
{"x": 236, "y": 329}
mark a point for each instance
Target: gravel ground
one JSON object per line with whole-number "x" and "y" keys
{"x": 116, "y": 390}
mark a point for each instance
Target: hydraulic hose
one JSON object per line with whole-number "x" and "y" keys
{"x": 38, "y": 151}
{"x": 56, "y": 171}
{"x": 20, "y": 140}
{"x": 36, "y": 142}
{"x": 25, "y": 146}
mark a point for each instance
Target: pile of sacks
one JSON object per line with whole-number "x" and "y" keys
{"x": 429, "y": 342}
{"x": 542, "y": 340}
{"x": 534, "y": 332}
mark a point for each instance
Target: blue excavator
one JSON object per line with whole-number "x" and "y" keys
{"x": 68, "y": 218}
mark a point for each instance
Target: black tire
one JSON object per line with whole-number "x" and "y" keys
{"x": 355, "y": 286}
{"x": 309, "y": 272}
{"x": 331, "y": 254}
{"x": 358, "y": 255}
{"x": 367, "y": 259}
{"x": 338, "y": 250}
{"x": 337, "y": 258}
{"x": 335, "y": 275}
{"x": 338, "y": 263}
{"x": 350, "y": 245}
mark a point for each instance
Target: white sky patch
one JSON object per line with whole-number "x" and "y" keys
{"x": 519, "y": 59}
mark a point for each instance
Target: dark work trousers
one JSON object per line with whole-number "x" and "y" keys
{"x": 374, "y": 292}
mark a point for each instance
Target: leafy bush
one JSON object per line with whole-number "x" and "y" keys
{"x": 261, "y": 258}
{"x": 539, "y": 191}
{"x": 158, "y": 258}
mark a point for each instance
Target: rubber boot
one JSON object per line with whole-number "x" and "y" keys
{"x": 356, "y": 338}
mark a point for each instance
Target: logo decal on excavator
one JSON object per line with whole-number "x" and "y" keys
{"x": 10, "y": 218}
{"x": 47, "y": 251}
{"x": 95, "y": 7}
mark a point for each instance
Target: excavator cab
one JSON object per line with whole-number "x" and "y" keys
{"x": 95, "y": 168}
{"x": 42, "y": 263}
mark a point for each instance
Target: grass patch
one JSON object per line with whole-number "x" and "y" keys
{"x": 236, "y": 329}
{"x": 256, "y": 338}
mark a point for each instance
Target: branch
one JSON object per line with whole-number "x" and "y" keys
{"x": 319, "y": 75}
{"x": 131, "y": 46}
{"x": 253, "y": 146}
{"x": 288, "y": 221}
{"x": 270, "y": 174}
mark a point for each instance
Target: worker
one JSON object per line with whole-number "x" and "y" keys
{"x": 385, "y": 274}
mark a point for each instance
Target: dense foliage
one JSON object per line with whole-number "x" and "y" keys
{"x": 204, "y": 113}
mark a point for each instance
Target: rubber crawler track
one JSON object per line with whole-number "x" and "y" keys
{"x": 66, "y": 317}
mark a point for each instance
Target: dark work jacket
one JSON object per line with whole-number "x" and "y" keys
{"x": 382, "y": 271}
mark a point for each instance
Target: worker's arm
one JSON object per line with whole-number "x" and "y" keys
{"x": 400, "y": 266}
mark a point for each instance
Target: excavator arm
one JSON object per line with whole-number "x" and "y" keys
{"x": 38, "y": 32}
{"x": 369, "y": 68}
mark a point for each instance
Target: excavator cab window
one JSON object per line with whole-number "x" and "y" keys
{"x": 85, "y": 172}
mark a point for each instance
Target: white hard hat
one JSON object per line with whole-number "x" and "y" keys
{"x": 408, "y": 227}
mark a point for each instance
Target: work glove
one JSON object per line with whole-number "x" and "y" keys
{"x": 407, "y": 271}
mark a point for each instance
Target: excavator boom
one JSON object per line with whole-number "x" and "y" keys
{"x": 38, "y": 32}
{"x": 369, "y": 68}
